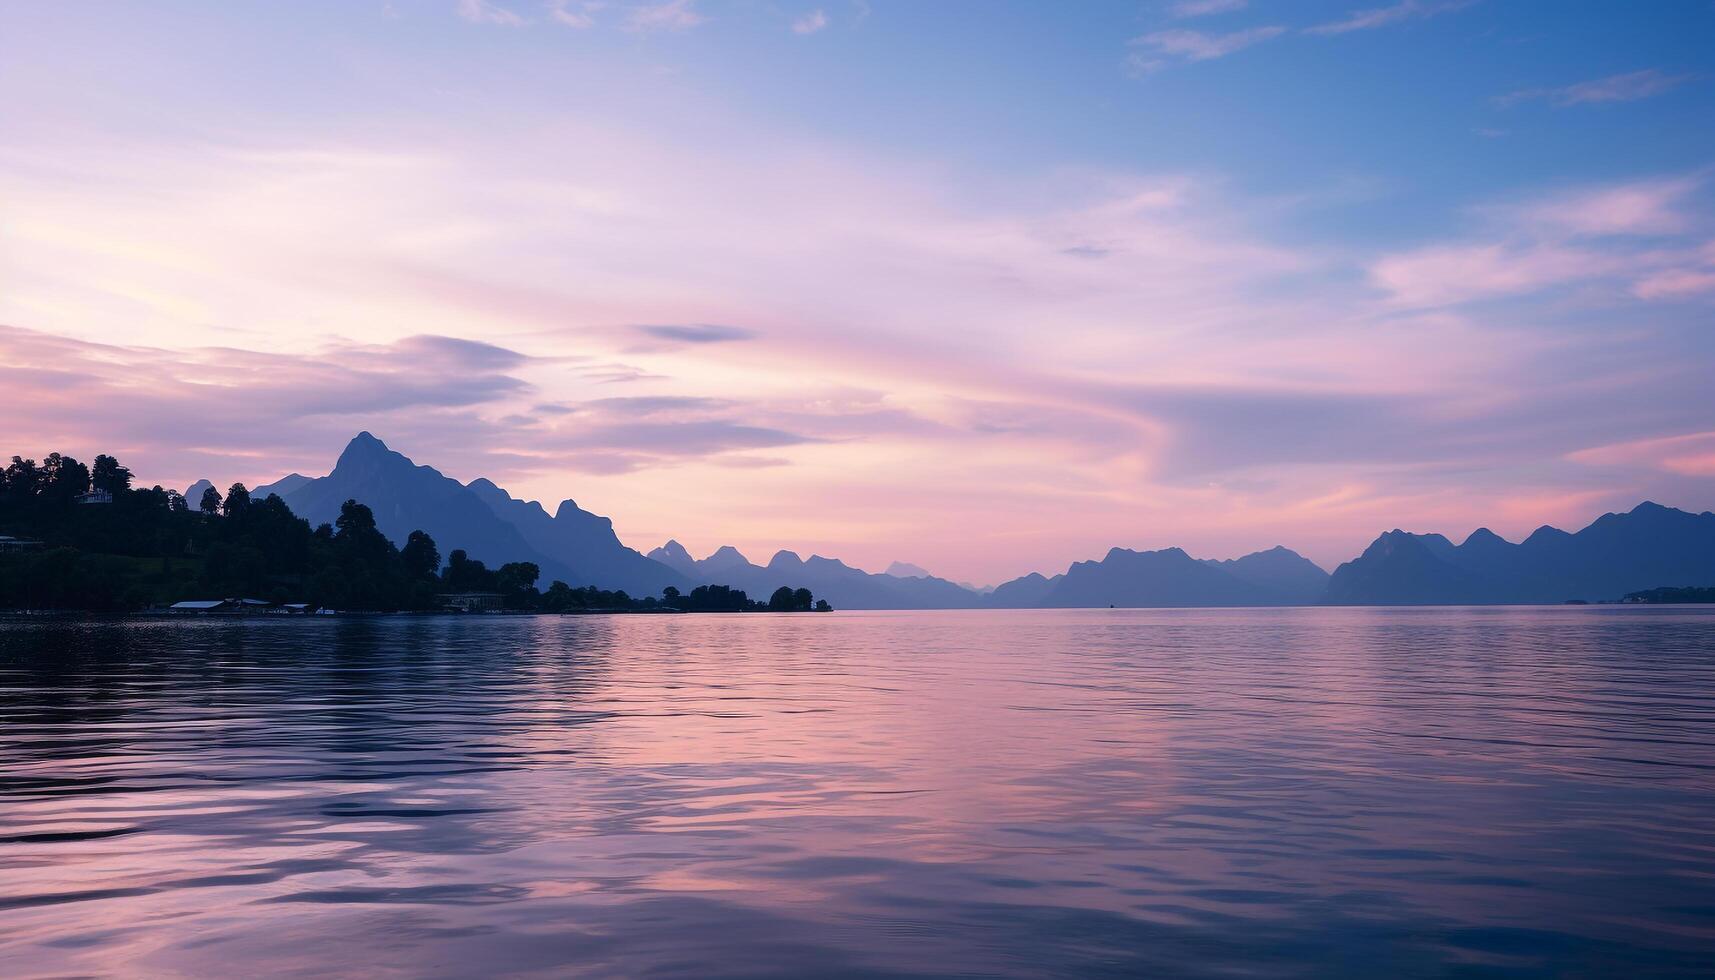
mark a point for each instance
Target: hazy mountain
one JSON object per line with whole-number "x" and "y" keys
{"x": 674, "y": 556}
{"x": 829, "y": 578}
{"x": 1290, "y": 576}
{"x": 574, "y": 546}
{"x": 193, "y": 493}
{"x": 1169, "y": 577}
{"x": 1400, "y": 568}
{"x": 406, "y": 497}
{"x": 1023, "y": 592}
{"x": 284, "y": 485}
{"x": 725, "y": 559}
{"x": 1649, "y": 546}
{"x": 581, "y": 541}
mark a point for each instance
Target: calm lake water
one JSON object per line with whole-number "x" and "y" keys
{"x": 1301, "y": 792}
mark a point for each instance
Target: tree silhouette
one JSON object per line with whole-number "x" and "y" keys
{"x": 150, "y": 548}
{"x": 237, "y": 501}
{"x": 354, "y": 521}
{"x": 420, "y": 556}
{"x": 108, "y": 475}
{"x": 23, "y": 478}
{"x": 62, "y": 477}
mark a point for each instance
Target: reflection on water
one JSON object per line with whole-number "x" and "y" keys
{"x": 1275, "y": 792}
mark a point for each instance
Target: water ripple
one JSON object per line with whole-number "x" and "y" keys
{"x": 1347, "y": 792}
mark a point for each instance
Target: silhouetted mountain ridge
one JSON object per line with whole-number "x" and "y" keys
{"x": 1169, "y": 577}
{"x": 1646, "y": 547}
{"x": 485, "y": 521}
{"x": 841, "y": 584}
{"x": 1617, "y": 554}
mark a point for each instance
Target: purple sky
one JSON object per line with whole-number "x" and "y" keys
{"x": 987, "y": 288}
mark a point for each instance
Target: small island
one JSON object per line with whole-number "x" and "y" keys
{"x": 1673, "y": 595}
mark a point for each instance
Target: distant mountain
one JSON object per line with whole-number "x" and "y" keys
{"x": 574, "y": 546}
{"x": 1288, "y": 575}
{"x": 284, "y": 485}
{"x": 583, "y": 541}
{"x": 1023, "y": 592}
{"x": 1169, "y": 577}
{"x": 406, "y": 497}
{"x": 674, "y": 556}
{"x": 829, "y": 578}
{"x": 194, "y": 492}
{"x": 1617, "y": 554}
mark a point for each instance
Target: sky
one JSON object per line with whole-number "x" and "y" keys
{"x": 986, "y": 287}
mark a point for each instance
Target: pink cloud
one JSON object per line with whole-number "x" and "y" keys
{"x": 1650, "y": 207}
{"x": 1691, "y": 455}
{"x": 1155, "y": 50}
{"x": 1102, "y": 359}
{"x": 1589, "y": 235}
{"x": 1627, "y": 87}
{"x": 1444, "y": 274}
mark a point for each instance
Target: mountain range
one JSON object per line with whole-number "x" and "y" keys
{"x": 844, "y": 586}
{"x": 1615, "y": 555}
{"x": 574, "y": 546}
{"x": 1647, "y": 547}
{"x": 1170, "y": 577}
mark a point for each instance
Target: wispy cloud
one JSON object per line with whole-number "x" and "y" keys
{"x": 1641, "y": 207}
{"x": 1363, "y": 20}
{"x": 670, "y": 15}
{"x": 487, "y": 12}
{"x": 695, "y": 333}
{"x": 1610, "y": 235}
{"x": 1156, "y": 50}
{"x": 1692, "y": 454}
{"x": 1203, "y": 8}
{"x": 1628, "y": 87}
{"x": 577, "y": 14}
{"x": 810, "y": 23}
{"x": 1182, "y": 376}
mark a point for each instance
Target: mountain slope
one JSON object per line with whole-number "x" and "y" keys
{"x": 829, "y": 578}
{"x": 284, "y": 485}
{"x": 1291, "y": 577}
{"x": 581, "y": 541}
{"x": 1648, "y": 546}
{"x": 1168, "y": 577}
{"x": 406, "y": 497}
{"x": 1402, "y": 569}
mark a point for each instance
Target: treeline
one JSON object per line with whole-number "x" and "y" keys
{"x": 105, "y": 545}
{"x": 1674, "y": 595}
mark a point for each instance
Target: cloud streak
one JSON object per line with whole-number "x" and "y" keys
{"x": 841, "y": 351}
{"x": 488, "y": 12}
{"x": 695, "y": 333}
{"x": 669, "y": 15}
{"x": 1628, "y": 87}
{"x": 810, "y": 23}
{"x": 1158, "y": 49}
{"x": 1586, "y": 237}
{"x": 1374, "y": 17}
